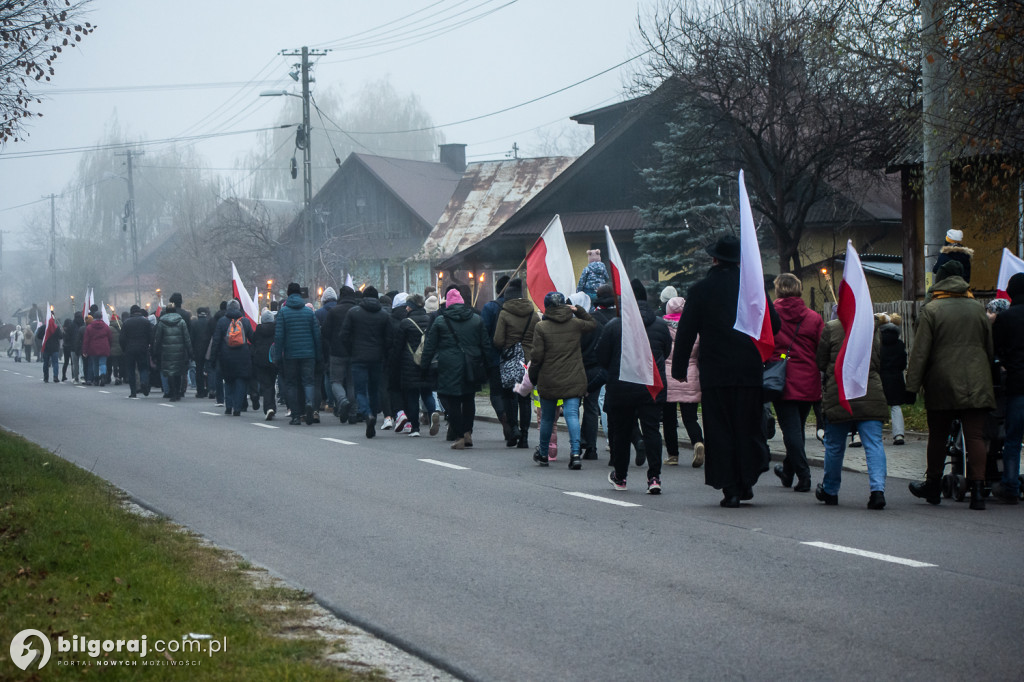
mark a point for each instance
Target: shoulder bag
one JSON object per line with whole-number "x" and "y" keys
{"x": 774, "y": 382}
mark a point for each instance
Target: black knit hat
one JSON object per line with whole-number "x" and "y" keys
{"x": 370, "y": 292}
{"x": 639, "y": 290}
{"x": 294, "y": 288}
{"x": 1015, "y": 287}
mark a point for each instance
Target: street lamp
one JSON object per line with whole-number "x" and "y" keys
{"x": 302, "y": 140}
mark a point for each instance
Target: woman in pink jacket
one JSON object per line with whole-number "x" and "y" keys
{"x": 797, "y": 338}
{"x": 96, "y": 349}
{"x": 686, "y": 395}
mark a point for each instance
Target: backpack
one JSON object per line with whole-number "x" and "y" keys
{"x": 236, "y": 333}
{"x": 417, "y": 355}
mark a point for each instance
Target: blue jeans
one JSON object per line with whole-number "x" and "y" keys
{"x": 51, "y": 360}
{"x": 297, "y": 375}
{"x": 97, "y": 367}
{"x": 234, "y": 393}
{"x": 366, "y": 378}
{"x": 1011, "y": 448}
{"x": 571, "y": 412}
{"x": 835, "y": 447}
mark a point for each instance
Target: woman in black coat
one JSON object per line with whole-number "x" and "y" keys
{"x": 233, "y": 362}
{"x": 262, "y": 362}
{"x": 413, "y": 383}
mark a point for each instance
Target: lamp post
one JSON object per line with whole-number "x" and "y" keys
{"x": 302, "y": 140}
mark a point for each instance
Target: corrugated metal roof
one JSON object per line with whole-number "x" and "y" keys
{"x": 424, "y": 186}
{"x": 489, "y": 193}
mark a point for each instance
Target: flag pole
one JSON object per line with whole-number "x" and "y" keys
{"x": 512, "y": 277}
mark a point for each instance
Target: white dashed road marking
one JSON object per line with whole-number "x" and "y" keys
{"x": 337, "y": 440}
{"x": 166, "y": 405}
{"x": 212, "y": 414}
{"x": 105, "y": 392}
{"x": 265, "y": 426}
{"x": 871, "y": 555}
{"x": 606, "y": 500}
{"x": 445, "y": 464}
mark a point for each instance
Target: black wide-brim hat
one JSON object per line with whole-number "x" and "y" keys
{"x": 726, "y": 249}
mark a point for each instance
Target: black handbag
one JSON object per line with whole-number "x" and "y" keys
{"x": 473, "y": 370}
{"x": 774, "y": 381}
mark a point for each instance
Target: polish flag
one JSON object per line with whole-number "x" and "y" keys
{"x": 51, "y": 324}
{"x": 104, "y": 313}
{"x": 752, "y": 316}
{"x": 238, "y": 290}
{"x": 858, "y": 319}
{"x": 548, "y": 265}
{"x": 1009, "y": 267}
{"x": 637, "y": 364}
{"x": 160, "y": 306}
{"x": 87, "y": 302}
{"x": 348, "y": 281}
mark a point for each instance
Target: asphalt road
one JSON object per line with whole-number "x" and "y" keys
{"x": 501, "y": 570}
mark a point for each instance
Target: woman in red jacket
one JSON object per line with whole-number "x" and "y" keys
{"x": 798, "y": 339}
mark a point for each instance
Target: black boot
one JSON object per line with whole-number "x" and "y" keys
{"x": 524, "y": 441}
{"x": 574, "y": 461}
{"x": 978, "y": 495}
{"x": 929, "y": 489}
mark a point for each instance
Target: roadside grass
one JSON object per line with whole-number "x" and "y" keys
{"x": 75, "y": 562}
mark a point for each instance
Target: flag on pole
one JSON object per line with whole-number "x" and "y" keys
{"x": 104, "y": 313}
{"x": 1008, "y": 267}
{"x": 51, "y": 326}
{"x": 752, "y": 316}
{"x": 548, "y": 265}
{"x": 160, "y": 306}
{"x": 87, "y": 302}
{"x": 238, "y": 291}
{"x": 637, "y": 364}
{"x": 858, "y": 319}
{"x": 256, "y": 303}
{"x": 348, "y": 281}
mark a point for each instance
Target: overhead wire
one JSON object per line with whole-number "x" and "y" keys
{"x": 412, "y": 32}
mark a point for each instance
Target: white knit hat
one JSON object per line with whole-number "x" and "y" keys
{"x": 954, "y": 236}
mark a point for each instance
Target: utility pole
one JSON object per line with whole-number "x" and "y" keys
{"x": 53, "y": 247}
{"x": 130, "y": 154}
{"x": 304, "y": 136}
{"x": 938, "y": 215}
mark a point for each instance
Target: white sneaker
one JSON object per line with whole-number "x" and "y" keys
{"x": 413, "y": 434}
{"x": 405, "y": 429}
{"x": 401, "y": 421}
{"x": 388, "y": 424}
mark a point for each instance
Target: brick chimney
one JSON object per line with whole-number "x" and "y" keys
{"x": 454, "y": 156}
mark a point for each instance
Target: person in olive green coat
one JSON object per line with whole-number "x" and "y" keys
{"x": 556, "y": 369}
{"x": 951, "y": 360}
{"x": 457, "y": 332}
{"x": 867, "y": 414}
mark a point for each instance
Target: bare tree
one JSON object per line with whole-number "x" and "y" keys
{"x": 33, "y": 34}
{"x": 780, "y": 95}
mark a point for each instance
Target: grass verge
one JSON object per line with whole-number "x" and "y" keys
{"x": 75, "y": 563}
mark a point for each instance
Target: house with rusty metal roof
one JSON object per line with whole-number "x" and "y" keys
{"x": 374, "y": 213}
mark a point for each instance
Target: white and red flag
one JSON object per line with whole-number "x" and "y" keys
{"x": 752, "y": 316}
{"x": 104, "y": 313}
{"x": 348, "y": 281}
{"x": 637, "y": 364}
{"x": 160, "y": 306}
{"x": 51, "y": 324}
{"x": 249, "y": 309}
{"x": 858, "y": 319}
{"x": 87, "y": 302}
{"x": 1008, "y": 267}
{"x": 549, "y": 266}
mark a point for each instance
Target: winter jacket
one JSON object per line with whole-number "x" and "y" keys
{"x": 472, "y": 340}
{"x": 96, "y": 340}
{"x": 609, "y": 353}
{"x": 516, "y": 323}
{"x": 367, "y": 332}
{"x": 407, "y": 374}
{"x": 727, "y": 357}
{"x": 593, "y": 276}
{"x": 136, "y": 334}
{"x": 331, "y": 330}
{"x": 681, "y": 391}
{"x": 892, "y": 362}
{"x": 233, "y": 362}
{"x": 803, "y": 380}
{"x": 872, "y": 405}
{"x": 1008, "y": 339}
{"x": 556, "y": 360}
{"x": 52, "y": 343}
{"x": 490, "y": 313}
{"x": 296, "y": 331}
{"x": 172, "y": 344}
{"x": 961, "y": 254}
{"x": 262, "y": 341}
{"x": 75, "y": 338}
{"x": 952, "y": 353}
{"x": 200, "y": 330}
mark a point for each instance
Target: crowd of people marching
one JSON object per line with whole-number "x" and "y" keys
{"x": 415, "y": 361}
